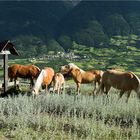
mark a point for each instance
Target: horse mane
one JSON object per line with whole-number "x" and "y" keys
{"x": 39, "y": 80}
{"x": 72, "y": 65}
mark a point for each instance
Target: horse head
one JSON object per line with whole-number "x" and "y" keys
{"x": 33, "y": 91}
{"x": 67, "y": 68}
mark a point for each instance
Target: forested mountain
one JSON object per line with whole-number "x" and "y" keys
{"x": 37, "y": 18}
{"x": 46, "y": 25}
{"x": 93, "y": 22}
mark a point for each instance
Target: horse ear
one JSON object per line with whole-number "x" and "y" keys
{"x": 68, "y": 66}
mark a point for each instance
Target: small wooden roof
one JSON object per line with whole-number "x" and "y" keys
{"x": 8, "y": 46}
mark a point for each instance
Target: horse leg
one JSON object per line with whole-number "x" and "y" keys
{"x": 95, "y": 87}
{"x": 56, "y": 87}
{"x": 105, "y": 95}
{"x": 63, "y": 87}
{"x": 16, "y": 85}
{"x": 107, "y": 88}
{"x": 78, "y": 88}
{"x": 121, "y": 94}
{"x": 46, "y": 88}
{"x": 59, "y": 89}
{"x": 15, "y": 79}
{"x": 32, "y": 83}
{"x": 11, "y": 80}
{"x": 138, "y": 92}
{"x": 100, "y": 89}
{"x": 128, "y": 95}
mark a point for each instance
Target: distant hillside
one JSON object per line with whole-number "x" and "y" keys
{"x": 92, "y": 23}
{"x": 37, "y": 18}
{"x": 44, "y": 26}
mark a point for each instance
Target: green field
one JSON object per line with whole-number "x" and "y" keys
{"x": 126, "y": 59}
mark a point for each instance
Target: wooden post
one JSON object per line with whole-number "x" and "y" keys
{"x": 5, "y": 60}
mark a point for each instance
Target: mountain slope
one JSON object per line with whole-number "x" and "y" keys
{"x": 37, "y": 18}
{"x": 93, "y": 22}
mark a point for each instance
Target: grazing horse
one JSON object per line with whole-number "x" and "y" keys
{"x": 58, "y": 83}
{"x": 23, "y": 71}
{"x": 45, "y": 79}
{"x": 124, "y": 81}
{"x": 80, "y": 76}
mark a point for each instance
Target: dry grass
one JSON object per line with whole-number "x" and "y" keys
{"x": 69, "y": 117}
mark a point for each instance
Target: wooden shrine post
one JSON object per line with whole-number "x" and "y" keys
{"x": 5, "y": 66}
{"x": 5, "y": 72}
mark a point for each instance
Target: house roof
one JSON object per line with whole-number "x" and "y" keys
{"x": 8, "y": 46}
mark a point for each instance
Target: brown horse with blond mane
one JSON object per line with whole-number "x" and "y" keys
{"x": 82, "y": 77}
{"x": 44, "y": 79}
{"x": 124, "y": 81}
{"x": 23, "y": 71}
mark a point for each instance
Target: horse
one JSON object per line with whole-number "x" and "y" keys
{"x": 58, "y": 83}
{"x": 23, "y": 71}
{"x": 124, "y": 81}
{"x": 82, "y": 77}
{"x": 45, "y": 79}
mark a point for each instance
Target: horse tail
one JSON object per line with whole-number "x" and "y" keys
{"x": 138, "y": 88}
{"x": 37, "y": 68}
{"x": 10, "y": 73}
{"x": 136, "y": 77}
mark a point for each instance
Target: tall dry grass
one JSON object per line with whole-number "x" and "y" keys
{"x": 69, "y": 117}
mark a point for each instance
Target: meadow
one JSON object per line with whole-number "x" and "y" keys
{"x": 72, "y": 117}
